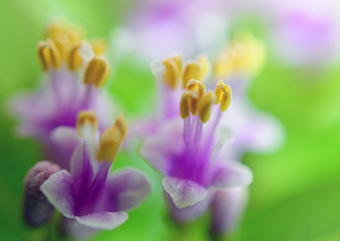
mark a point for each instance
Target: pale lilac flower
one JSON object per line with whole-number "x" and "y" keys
{"x": 183, "y": 145}
{"x": 305, "y": 33}
{"x": 155, "y": 28}
{"x": 88, "y": 196}
{"x": 73, "y": 77}
{"x": 37, "y": 209}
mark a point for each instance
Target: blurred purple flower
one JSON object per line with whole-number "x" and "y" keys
{"x": 74, "y": 73}
{"x": 155, "y": 28}
{"x": 306, "y": 33}
{"x": 88, "y": 196}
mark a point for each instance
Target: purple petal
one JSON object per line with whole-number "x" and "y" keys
{"x": 103, "y": 220}
{"x": 190, "y": 213}
{"x": 64, "y": 140}
{"x": 81, "y": 169}
{"x": 59, "y": 190}
{"x": 227, "y": 208}
{"x": 232, "y": 174}
{"x": 183, "y": 192}
{"x": 77, "y": 231}
{"x": 268, "y": 133}
{"x": 157, "y": 147}
{"x": 127, "y": 189}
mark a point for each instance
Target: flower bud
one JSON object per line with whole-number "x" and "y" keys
{"x": 37, "y": 209}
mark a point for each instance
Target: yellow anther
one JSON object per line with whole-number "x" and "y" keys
{"x": 64, "y": 36}
{"x": 245, "y": 54}
{"x": 223, "y": 64}
{"x": 193, "y": 70}
{"x": 197, "y": 85}
{"x": 99, "y": 46}
{"x": 173, "y": 66}
{"x": 87, "y": 123}
{"x": 49, "y": 55}
{"x": 189, "y": 103}
{"x": 73, "y": 59}
{"x": 204, "y": 106}
{"x": 111, "y": 139}
{"x": 97, "y": 71}
{"x": 223, "y": 95}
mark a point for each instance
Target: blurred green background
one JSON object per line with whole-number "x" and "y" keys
{"x": 296, "y": 191}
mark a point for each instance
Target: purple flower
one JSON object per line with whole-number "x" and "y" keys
{"x": 156, "y": 28}
{"x": 37, "y": 209}
{"x": 305, "y": 34}
{"x": 183, "y": 144}
{"x": 74, "y": 74}
{"x": 88, "y": 196}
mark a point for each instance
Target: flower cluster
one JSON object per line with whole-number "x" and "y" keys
{"x": 75, "y": 72}
{"x": 195, "y": 139}
{"x": 71, "y": 117}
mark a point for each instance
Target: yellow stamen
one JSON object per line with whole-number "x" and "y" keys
{"x": 197, "y": 85}
{"x": 97, "y": 71}
{"x": 223, "y": 95}
{"x": 49, "y": 54}
{"x": 193, "y": 70}
{"x": 111, "y": 139}
{"x": 87, "y": 122}
{"x": 189, "y": 103}
{"x": 99, "y": 46}
{"x": 204, "y": 106}
{"x": 173, "y": 66}
{"x": 223, "y": 64}
{"x": 73, "y": 59}
{"x": 64, "y": 36}
{"x": 245, "y": 54}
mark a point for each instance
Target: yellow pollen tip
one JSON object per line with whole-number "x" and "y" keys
{"x": 189, "y": 103}
{"x": 87, "y": 123}
{"x": 64, "y": 36}
{"x": 193, "y": 70}
{"x": 173, "y": 66}
{"x": 223, "y": 95}
{"x": 49, "y": 54}
{"x": 204, "y": 106}
{"x": 97, "y": 71}
{"x": 197, "y": 85}
{"x": 73, "y": 59}
{"x": 99, "y": 46}
{"x": 111, "y": 139}
{"x": 245, "y": 54}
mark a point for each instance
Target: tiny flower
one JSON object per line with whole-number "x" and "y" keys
{"x": 156, "y": 28}
{"x": 75, "y": 74}
{"x": 88, "y": 196}
{"x": 305, "y": 34}
{"x": 37, "y": 209}
{"x": 183, "y": 145}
